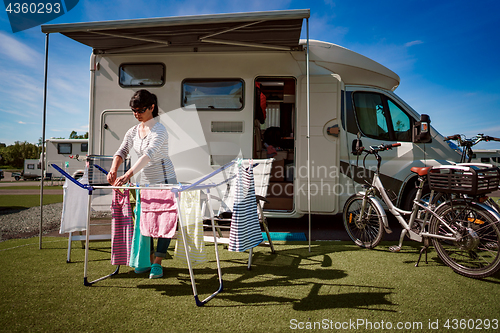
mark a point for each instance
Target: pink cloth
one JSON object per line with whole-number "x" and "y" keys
{"x": 271, "y": 151}
{"x": 121, "y": 228}
{"x": 158, "y": 213}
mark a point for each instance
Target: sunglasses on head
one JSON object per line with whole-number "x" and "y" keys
{"x": 140, "y": 110}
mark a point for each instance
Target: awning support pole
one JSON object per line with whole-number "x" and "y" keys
{"x": 308, "y": 101}
{"x": 42, "y": 156}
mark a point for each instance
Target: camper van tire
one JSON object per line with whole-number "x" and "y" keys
{"x": 78, "y": 175}
{"x": 412, "y": 193}
{"x": 369, "y": 230}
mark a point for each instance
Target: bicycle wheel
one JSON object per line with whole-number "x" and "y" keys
{"x": 490, "y": 202}
{"x": 476, "y": 253}
{"x": 367, "y": 231}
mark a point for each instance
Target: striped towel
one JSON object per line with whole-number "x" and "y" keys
{"x": 189, "y": 208}
{"x": 121, "y": 228}
{"x": 245, "y": 228}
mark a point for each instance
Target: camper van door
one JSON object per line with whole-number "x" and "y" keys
{"x": 325, "y": 100}
{"x": 380, "y": 118}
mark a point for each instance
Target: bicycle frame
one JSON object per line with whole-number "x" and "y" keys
{"x": 398, "y": 213}
{"x": 464, "y": 232}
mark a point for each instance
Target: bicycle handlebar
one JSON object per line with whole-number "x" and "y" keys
{"x": 490, "y": 138}
{"x": 376, "y": 149}
{"x": 452, "y": 137}
{"x": 472, "y": 141}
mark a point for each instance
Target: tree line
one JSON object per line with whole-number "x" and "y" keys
{"x": 14, "y": 155}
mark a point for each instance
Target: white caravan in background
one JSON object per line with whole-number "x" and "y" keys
{"x": 489, "y": 156}
{"x": 68, "y": 154}
{"x": 32, "y": 170}
{"x": 215, "y": 74}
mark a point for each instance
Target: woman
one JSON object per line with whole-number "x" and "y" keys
{"x": 149, "y": 139}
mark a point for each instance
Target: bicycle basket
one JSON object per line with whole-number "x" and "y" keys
{"x": 470, "y": 179}
{"x": 99, "y": 164}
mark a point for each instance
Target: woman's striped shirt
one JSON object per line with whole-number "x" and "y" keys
{"x": 159, "y": 169}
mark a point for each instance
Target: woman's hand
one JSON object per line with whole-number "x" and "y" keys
{"x": 123, "y": 179}
{"x": 111, "y": 177}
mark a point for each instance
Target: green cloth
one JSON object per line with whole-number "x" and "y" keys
{"x": 141, "y": 245}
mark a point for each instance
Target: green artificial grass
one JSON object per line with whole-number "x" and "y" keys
{"x": 333, "y": 286}
{"x": 21, "y": 187}
{"x": 21, "y": 201}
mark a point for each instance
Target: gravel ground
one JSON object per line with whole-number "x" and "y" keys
{"x": 25, "y": 223}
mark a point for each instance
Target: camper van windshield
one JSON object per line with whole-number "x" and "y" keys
{"x": 213, "y": 94}
{"x": 380, "y": 118}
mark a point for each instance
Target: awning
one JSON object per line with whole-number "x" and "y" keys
{"x": 271, "y": 30}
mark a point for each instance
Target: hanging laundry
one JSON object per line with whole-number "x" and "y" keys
{"x": 190, "y": 211}
{"x": 75, "y": 206}
{"x": 140, "y": 252}
{"x": 245, "y": 230}
{"x": 158, "y": 213}
{"x": 121, "y": 228}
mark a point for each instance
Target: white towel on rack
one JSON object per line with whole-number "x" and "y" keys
{"x": 245, "y": 230}
{"x": 75, "y": 206}
{"x": 190, "y": 210}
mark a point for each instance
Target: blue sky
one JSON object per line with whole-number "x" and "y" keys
{"x": 445, "y": 52}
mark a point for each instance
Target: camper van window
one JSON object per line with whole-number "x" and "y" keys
{"x": 485, "y": 160}
{"x": 213, "y": 94}
{"x": 400, "y": 122}
{"x": 64, "y": 148}
{"x": 142, "y": 75}
{"x": 31, "y": 166}
{"x": 84, "y": 148}
{"x": 380, "y": 118}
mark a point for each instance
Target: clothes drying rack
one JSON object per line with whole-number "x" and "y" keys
{"x": 202, "y": 184}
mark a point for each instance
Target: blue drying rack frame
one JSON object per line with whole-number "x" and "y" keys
{"x": 176, "y": 189}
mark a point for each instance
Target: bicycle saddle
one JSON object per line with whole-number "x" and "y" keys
{"x": 420, "y": 171}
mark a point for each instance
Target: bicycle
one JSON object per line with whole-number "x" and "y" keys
{"x": 467, "y": 144}
{"x": 465, "y": 233}
{"x": 466, "y": 156}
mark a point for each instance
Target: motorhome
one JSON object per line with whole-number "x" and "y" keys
{"x": 223, "y": 81}
{"x": 490, "y": 156}
{"x": 68, "y": 154}
{"x": 32, "y": 170}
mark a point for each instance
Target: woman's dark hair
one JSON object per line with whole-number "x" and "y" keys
{"x": 143, "y": 98}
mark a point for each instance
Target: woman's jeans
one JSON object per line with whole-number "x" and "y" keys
{"x": 161, "y": 247}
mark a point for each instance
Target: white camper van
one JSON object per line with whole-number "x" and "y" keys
{"x": 68, "y": 154}
{"x": 32, "y": 170}
{"x": 490, "y": 156}
{"x": 225, "y": 80}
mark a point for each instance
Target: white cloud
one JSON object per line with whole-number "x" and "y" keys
{"x": 412, "y": 43}
{"x": 18, "y": 51}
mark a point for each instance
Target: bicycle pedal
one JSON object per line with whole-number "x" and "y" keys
{"x": 395, "y": 248}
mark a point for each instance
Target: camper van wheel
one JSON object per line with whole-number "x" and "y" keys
{"x": 411, "y": 194}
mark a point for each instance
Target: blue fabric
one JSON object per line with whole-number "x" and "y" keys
{"x": 245, "y": 230}
{"x": 161, "y": 247}
{"x": 139, "y": 256}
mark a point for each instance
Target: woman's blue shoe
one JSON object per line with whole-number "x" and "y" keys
{"x": 140, "y": 270}
{"x": 156, "y": 271}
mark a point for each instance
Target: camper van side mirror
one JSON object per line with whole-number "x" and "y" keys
{"x": 422, "y": 130}
{"x": 356, "y": 145}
